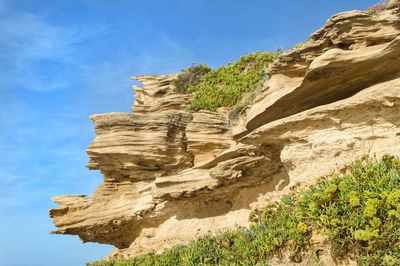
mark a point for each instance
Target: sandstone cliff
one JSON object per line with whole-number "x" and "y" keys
{"x": 171, "y": 175}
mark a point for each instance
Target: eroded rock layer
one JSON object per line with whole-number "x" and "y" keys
{"x": 171, "y": 174}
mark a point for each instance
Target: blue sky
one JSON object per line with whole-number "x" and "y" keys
{"x": 62, "y": 60}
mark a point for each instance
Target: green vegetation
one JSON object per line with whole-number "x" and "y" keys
{"x": 224, "y": 86}
{"x": 190, "y": 77}
{"x": 358, "y": 210}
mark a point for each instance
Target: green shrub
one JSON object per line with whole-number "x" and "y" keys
{"x": 224, "y": 86}
{"x": 366, "y": 229}
{"x": 190, "y": 77}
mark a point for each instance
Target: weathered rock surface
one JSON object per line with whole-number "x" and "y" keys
{"x": 392, "y": 4}
{"x": 171, "y": 175}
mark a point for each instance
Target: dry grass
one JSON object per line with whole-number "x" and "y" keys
{"x": 378, "y": 8}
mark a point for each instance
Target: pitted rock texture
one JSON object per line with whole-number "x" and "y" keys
{"x": 171, "y": 175}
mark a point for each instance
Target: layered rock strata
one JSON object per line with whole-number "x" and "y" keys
{"x": 171, "y": 174}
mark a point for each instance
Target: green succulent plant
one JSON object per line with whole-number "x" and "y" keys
{"x": 226, "y": 85}
{"x": 358, "y": 211}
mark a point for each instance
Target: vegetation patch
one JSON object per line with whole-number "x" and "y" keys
{"x": 224, "y": 86}
{"x": 190, "y": 77}
{"x": 359, "y": 211}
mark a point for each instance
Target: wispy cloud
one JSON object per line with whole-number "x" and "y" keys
{"x": 47, "y": 146}
{"x": 43, "y": 136}
{"x": 35, "y": 52}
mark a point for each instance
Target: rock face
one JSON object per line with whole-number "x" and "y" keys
{"x": 171, "y": 175}
{"x": 393, "y": 4}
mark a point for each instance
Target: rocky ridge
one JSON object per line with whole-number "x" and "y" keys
{"x": 171, "y": 175}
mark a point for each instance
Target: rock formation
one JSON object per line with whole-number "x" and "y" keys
{"x": 171, "y": 175}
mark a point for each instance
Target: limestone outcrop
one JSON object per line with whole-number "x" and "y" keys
{"x": 171, "y": 174}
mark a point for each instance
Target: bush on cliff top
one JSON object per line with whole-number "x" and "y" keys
{"x": 190, "y": 77}
{"x": 224, "y": 86}
{"x": 359, "y": 211}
